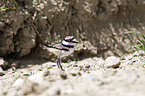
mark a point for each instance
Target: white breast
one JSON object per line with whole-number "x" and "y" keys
{"x": 61, "y": 53}
{"x": 67, "y": 53}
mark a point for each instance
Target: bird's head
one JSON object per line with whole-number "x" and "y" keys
{"x": 69, "y": 40}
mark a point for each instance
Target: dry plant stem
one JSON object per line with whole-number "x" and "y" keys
{"x": 31, "y": 24}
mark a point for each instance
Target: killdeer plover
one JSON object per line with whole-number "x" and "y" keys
{"x": 62, "y": 49}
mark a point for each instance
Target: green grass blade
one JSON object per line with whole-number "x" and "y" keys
{"x": 135, "y": 47}
{"x": 131, "y": 32}
{"x": 142, "y": 36}
{"x": 140, "y": 42}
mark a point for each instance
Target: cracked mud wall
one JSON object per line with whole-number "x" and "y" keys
{"x": 101, "y": 22}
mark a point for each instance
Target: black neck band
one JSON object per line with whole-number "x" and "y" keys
{"x": 68, "y": 46}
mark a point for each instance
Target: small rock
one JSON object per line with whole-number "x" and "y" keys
{"x": 2, "y": 62}
{"x": 19, "y": 82}
{"x": 1, "y": 72}
{"x": 69, "y": 91}
{"x": 112, "y": 62}
{"x": 37, "y": 78}
{"x": 63, "y": 76}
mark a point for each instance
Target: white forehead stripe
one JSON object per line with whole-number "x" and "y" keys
{"x": 69, "y": 37}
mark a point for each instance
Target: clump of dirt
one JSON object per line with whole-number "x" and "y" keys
{"x": 16, "y": 35}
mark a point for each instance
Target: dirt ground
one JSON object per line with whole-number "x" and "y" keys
{"x": 88, "y": 77}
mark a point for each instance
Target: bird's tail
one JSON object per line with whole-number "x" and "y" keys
{"x": 47, "y": 45}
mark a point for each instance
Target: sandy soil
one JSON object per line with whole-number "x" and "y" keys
{"x": 88, "y": 77}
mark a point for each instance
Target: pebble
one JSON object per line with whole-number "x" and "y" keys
{"x": 1, "y": 72}
{"x": 37, "y": 78}
{"x": 63, "y": 76}
{"x": 3, "y": 63}
{"x": 112, "y": 61}
{"x": 69, "y": 91}
{"x": 19, "y": 82}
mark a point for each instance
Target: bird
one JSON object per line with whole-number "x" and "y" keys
{"x": 62, "y": 49}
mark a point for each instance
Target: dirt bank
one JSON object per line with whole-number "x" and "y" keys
{"x": 99, "y": 22}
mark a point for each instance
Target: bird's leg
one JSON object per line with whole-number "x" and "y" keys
{"x": 59, "y": 63}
